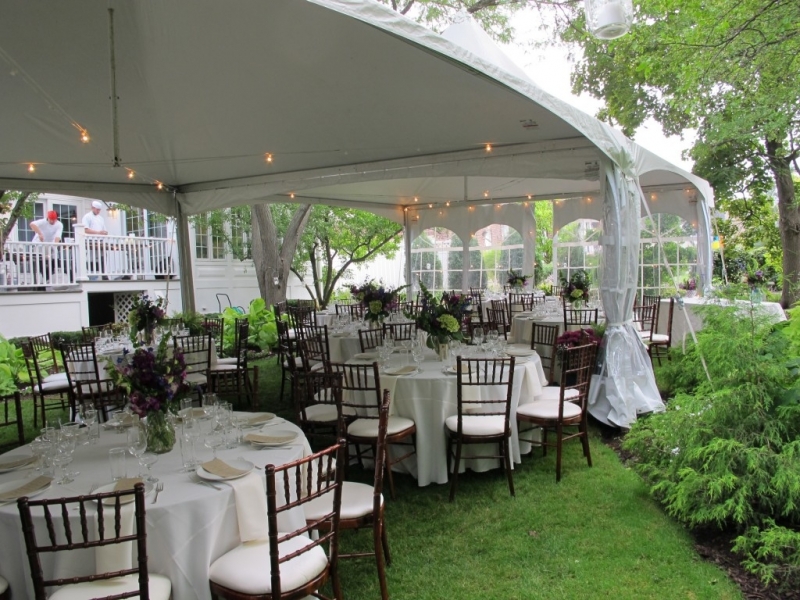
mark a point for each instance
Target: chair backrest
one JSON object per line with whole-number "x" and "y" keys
{"x": 80, "y": 363}
{"x": 288, "y": 488}
{"x": 45, "y": 352}
{"x": 370, "y": 338}
{"x": 357, "y": 311}
{"x": 476, "y": 291}
{"x": 543, "y": 340}
{"x": 578, "y": 316}
{"x": 11, "y": 415}
{"x": 648, "y": 299}
{"x": 302, "y": 316}
{"x": 670, "y": 315}
{"x": 400, "y": 331}
{"x": 216, "y": 327}
{"x": 556, "y": 290}
{"x": 343, "y": 308}
{"x": 101, "y": 395}
{"x": 498, "y": 320}
{"x": 315, "y": 345}
{"x": 495, "y": 374}
{"x": 36, "y": 375}
{"x": 196, "y": 350}
{"x": 279, "y": 308}
{"x": 241, "y": 335}
{"x": 104, "y": 514}
{"x": 315, "y": 388}
{"x": 92, "y": 332}
{"x": 577, "y": 366}
{"x": 361, "y": 388}
{"x": 644, "y": 317}
{"x": 518, "y": 303}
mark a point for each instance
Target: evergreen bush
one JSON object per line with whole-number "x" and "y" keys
{"x": 726, "y": 453}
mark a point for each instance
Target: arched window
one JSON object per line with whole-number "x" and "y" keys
{"x": 577, "y": 246}
{"x": 436, "y": 259}
{"x": 493, "y": 251}
{"x": 678, "y": 249}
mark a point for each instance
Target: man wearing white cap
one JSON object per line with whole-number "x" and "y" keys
{"x": 94, "y": 224}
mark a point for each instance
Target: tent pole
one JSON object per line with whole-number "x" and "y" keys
{"x": 184, "y": 257}
{"x": 407, "y": 244}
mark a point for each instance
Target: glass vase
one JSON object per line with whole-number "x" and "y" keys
{"x": 160, "y": 433}
{"x": 756, "y": 296}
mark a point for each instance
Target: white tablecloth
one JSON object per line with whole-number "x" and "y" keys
{"x": 521, "y": 327}
{"x": 680, "y": 326}
{"x": 430, "y": 396}
{"x": 343, "y": 347}
{"x": 190, "y": 526}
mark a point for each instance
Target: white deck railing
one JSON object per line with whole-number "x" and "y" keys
{"x": 26, "y": 265}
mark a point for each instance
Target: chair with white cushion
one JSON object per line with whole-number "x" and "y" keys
{"x": 543, "y": 341}
{"x": 483, "y": 417}
{"x": 568, "y": 410}
{"x": 288, "y": 564}
{"x": 317, "y": 397}
{"x": 361, "y": 392}
{"x": 98, "y": 521}
{"x": 644, "y": 318}
{"x": 660, "y": 343}
{"x": 363, "y": 506}
{"x": 234, "y": 370}
{"x": 196, "y": 350}
{"x": 50, "y": 391}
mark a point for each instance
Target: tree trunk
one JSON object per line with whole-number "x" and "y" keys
{"x": 273, "y": 260}
{"x": 13, "y": 215}
{"x": 788, "y": 222}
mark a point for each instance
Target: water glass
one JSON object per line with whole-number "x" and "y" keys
{"x": 137, "y": 442}
{"x": 188, "y": 434}
{"x": 147, "y": 460}
{"x": 48, "y": 434}
{"x": 116, "y": 461}
{"x": 90, "y": 420}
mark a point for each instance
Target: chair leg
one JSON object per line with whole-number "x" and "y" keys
{"x": 385, "y": 543}
{"x": 456, "y": 466}
{"x": 544, "y": 441}
{"x": 504, "y": 448}
{"x": 585, "y": 440}
{"x": 379, "y": 560}
{"x": 559, "y": 438}
{"x": 389, "y": 475}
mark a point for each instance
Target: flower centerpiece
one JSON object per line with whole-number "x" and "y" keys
{"x": 154, "y": 381}
{"x": 580, "y": 337}
{"x": 441, "y": 318}
{"x": 376, "y": 299}
{"x": 517, "y": 280}
{"x": 689, "y": 285}
{"x": 576, "y": 290}
{"x": 143, "y": 318}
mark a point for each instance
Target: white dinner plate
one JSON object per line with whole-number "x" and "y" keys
{"x": 236, "y": 463}
{"x": 401, "y": 371}
{"x": 264, "y": 418}
{"x": 367, "y": 356}
{"x": 9, "y": 459}
{"x": 10, "y": 485}
{"x": 454, "y": 371}
{"x": 109, "y": 487}
{"x": 290, "y": 436}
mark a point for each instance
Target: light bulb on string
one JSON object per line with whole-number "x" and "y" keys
{"x": 488, "y": 147}
{"x": 131, "y": 173}
{"x": 268, "y": 157}
{"x": 31, "y": 168}
{"x": 416, "y": 199}
{"x": 430, "y": 205}
{"x": 447, "y": 203}
{"x": 291, "y": 195}
{"x": 159, "y": 185}
{"x": 85, "y": 136}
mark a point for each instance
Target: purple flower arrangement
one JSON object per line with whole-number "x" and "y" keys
{"x": 756, "y": 279}
{"x": 689, "y": 284}
{"x": 377, "y": 300}
{"x": 517, "y": 280}
{"x": 154, "y": 379}
{"x": 442, "y": 318}
{"x": 580, "y": 337}
{"x": 145, "y": 315}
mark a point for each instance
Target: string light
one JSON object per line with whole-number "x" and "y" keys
{"x": 447, "y": 203}
{"x": 131, "y": 173}
{"x": 159, "y": 185}
{"x": 430, "y": 205}
{"x": 488, "y": 147}
{"x": 405, "y": 209}
{"x": 85, "y": 136}
{"x": 268, "y": 157}
{"x": 486, "y": 194}
{"x": 291, "y": 195}
{"x": 530, "y": 196}
{"x": 416, "y": 199}
{"x": 31, "y": 168}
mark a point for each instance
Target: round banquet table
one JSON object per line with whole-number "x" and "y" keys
{"x": 430, "y": 396}
{"x": 521, "y": 326}
{"x": 189, "y": 527}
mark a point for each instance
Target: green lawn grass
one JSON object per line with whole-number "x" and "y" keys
{"x": 597, "y": 534}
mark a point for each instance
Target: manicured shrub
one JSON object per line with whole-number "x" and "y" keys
{"x": 726, "y": 453}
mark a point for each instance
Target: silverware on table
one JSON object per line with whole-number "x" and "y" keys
{"x": 159, "y": 489}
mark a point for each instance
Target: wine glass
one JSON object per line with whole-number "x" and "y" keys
{"x": 90, "y": 420}
{"x": 418, "y": 354}
{"x": 147, "y": 460}
{"x": 406, "y": 344}
{"x": 477, "y": 336}
{"x": 62, "y": 459}
{"x": 214, "y": 439}
{"x": 137, "y": 443}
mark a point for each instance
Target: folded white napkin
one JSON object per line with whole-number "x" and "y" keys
{"x": 251, "y": 506}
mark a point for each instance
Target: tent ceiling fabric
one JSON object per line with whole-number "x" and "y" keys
{"x": 356, "y": 103}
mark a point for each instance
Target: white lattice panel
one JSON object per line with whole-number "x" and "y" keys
{"x": 123, "y": 302}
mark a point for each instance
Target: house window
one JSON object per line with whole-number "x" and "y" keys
{"x": 134, "y": 222}
{"x": 201, "y": 236}
{"x": 217, "y": 241}
{"x": 156, "y": 226}
{"x": 68, "y": 215}
{"x": 24, "y": 231}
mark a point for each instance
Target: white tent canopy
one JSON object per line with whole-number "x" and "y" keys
{"x": 357, "y": 105}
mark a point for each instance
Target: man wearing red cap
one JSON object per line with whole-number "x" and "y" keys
{"x": 49, "y": 230}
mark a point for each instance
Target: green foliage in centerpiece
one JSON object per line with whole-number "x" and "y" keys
{"x": 144, "y": 316}
{"x": 578, "y": 286}
{"x": 441, "y": 318}
{"x": 517, "y": 280}
{"x": 376, "y": 299}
